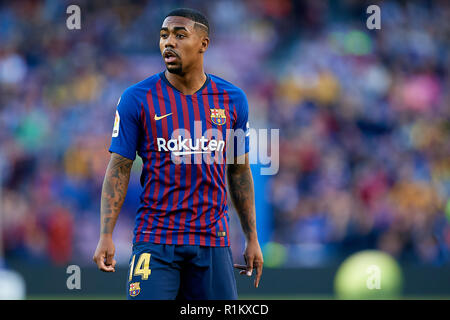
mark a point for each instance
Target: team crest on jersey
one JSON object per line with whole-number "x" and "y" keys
{"x": 135, "y": 289}
{"x": 218, "y": 116}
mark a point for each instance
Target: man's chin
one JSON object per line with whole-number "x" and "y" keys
{"x": 175, "y": 69}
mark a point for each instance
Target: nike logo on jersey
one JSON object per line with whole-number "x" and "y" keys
{"x": 162, "y": 117}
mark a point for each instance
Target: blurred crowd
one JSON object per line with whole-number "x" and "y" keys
{"x": 364, "y": 118}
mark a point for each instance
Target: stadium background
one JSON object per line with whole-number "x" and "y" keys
{"x": 364, "y": 140}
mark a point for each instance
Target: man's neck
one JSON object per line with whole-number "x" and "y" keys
{"x": 188, "y": 83}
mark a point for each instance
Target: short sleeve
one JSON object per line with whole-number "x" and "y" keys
{"x": 241, "y": 127}
{"x": 125, "y": 133}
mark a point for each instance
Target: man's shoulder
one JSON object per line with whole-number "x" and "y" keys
{"x": 143, "y": 86}
{"x": 233, "y": 90}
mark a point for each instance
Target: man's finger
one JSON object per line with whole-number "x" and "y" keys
{"x": 240, "y": 266}
{"x": 258, "y": 267}
{"x": 109, "y": 258}
{"x": 249, "y": 261}
{"x": 112, "y": 265}
{"x": 100, "y": 261}
{"x": 107, "y": 268}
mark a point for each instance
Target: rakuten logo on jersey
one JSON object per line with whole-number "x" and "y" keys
{"x": 182, "y": 146}
{"x": 194, "y": 147}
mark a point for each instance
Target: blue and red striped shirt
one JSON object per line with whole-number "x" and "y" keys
{"x": 182, "y": 140}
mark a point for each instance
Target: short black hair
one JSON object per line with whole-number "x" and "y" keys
{"x": 191, "y": 14}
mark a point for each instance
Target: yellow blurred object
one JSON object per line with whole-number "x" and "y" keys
{"x": 369, "y": 274}
{"x": 76, "y": 161}
{"x": 327, "y": 89}
{"x": 87, "y": 87}
{"x": 415, "y": 196}
{"x": 322, "y": 88}
{"x": 290, "y": 91}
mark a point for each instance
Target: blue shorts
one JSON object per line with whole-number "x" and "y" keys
{"x": 182, "y": 272}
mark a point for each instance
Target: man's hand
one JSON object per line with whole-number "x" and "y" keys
{"x": 104, "y": 254}
{"x": 253, "y": 259}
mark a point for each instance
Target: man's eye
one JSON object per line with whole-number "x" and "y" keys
{"x": 180, "y": 36}
{"x": 164, "y": 36}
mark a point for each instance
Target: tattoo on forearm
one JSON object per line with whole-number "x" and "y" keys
{"x": 240, "y": 184}
{"x": 114, "y": 190}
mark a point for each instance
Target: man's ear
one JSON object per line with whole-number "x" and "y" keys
{"x": 205, "y": 44}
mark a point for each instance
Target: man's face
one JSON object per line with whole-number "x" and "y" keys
{"x": 181, "y": 44}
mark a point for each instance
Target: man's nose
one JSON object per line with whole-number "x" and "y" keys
{"x": 170, "y": 42}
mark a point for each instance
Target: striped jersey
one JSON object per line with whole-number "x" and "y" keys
{"x": 183, "y": 142}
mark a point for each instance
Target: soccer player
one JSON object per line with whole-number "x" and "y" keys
{"x": 179, "y": 122}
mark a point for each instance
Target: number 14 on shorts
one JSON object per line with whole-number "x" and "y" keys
{"x": 142, "y": 266}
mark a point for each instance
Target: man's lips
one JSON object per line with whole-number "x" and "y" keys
{"x": 170, "y": 59}
{"x": 170, "y": 56}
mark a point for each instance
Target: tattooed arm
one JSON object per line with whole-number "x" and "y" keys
{"x": 114, "y": 190}
{"x": 240, "y": 185}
